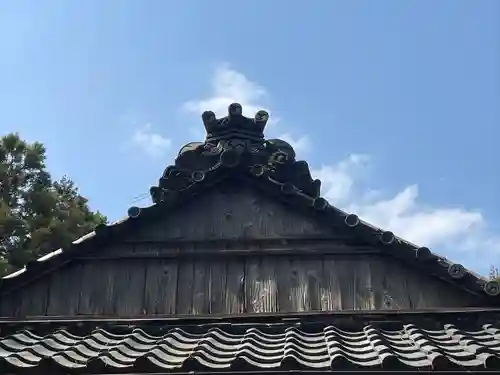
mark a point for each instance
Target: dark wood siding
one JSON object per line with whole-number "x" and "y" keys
{"x": 230, "y": 252}
{"x": 227, "y": 285}
{"x": 232, "y": 214}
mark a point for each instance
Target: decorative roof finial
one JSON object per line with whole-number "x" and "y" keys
{"x": 234, "y": 125}
{"x": 237, "y": 143}
{"x": 235, "y": 110}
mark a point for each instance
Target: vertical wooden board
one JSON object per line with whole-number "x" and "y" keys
{"x": 331, "y": 293}
{"x": 235, "y": 287}
{"x": 261, "y": 290}
{"x": 161, "y": 287}
{"x": 363, "y": 289}
{"x": 10, "y": 304}
{"x": 185, "y": 287}
{"x": 34, "y": 298}
{"x": 64, "y": 293}
{"x": 218, "y": 282}
{"x": 394, "y": 284}
{"x": 314, "y": 273}
{"x": 301, "y": 282}
{"x": 268, "y": 219}
{"x": 283, "y": 273}
{"x": 128, "y": 287}
{"x": 96, "y": 288}
{"x": 342, "y": 267}
{"x": 449, "y": 296}
{"x": 269, "y": 284}
{"x": 201, "y": 288}
{"x": 377, "y": 271}
{"x": 420, "y": 293}
{"x": 297, "y": 288}
{"x": 226, "y": 221}
{"x": 430, "y": 293}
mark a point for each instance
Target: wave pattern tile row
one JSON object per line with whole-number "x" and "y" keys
{"x": 409, "y": 347}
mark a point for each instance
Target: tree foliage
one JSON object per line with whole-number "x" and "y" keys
{"x": 37, "y": 214}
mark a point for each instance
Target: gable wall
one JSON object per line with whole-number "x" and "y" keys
{"x": 234, "y": 249}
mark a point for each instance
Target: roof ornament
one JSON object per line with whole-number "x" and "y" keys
{"x": 237, "y": 143}
{"x": 457, "y": 271}
{"x": 351, "y": 220}
{"x": 387, "y": 238}
{"x": 492, "y": 288}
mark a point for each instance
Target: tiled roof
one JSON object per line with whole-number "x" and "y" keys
{"x": 284, "y": 348}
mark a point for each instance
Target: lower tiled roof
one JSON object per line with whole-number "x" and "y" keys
{"x": 283, "y": 348}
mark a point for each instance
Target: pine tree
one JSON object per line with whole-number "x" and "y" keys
{"x": 37, "y": 215}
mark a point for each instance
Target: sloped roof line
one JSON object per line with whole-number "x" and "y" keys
{"x": 54, "y": 253}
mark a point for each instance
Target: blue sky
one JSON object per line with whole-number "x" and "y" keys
{"x": 395, "y": 104}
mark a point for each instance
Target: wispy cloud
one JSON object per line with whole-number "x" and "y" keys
{"x": 230, "y": 86}
{"x": 457, "y": 232}
{"x": 150, "y": 142}
{"x": 402, "y": 213}
{"x": 301, "y": 144}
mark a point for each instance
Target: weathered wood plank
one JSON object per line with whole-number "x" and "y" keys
{"x": 96, "y": 289}
{"x": 234, "y": 298}
{"x": 185, "y": 287}
{"x": 260, "y": 285}
{"x": 421, "y": 293}
{"x": 218, "y": 282}
{"x": 331, "y": 293}
{"x": 283, "y": 272}
{"x": 297, "y": 288}
{"x": 300, "y": 284}
{"x": 127, "y": 288}
{"x": 64, "y": 293}
{"x": 346, "y": 282}
{"x": 315, "y": 284}
{"x": 161, "y": 287}
{"x": 9, "y": 304}
{"x": 363, "y": 288}
{"x": 395, "y": 291}
{"x": 201, "y": 288}
{"x": 269, "y": 284}
{"x": 33, "y": 300}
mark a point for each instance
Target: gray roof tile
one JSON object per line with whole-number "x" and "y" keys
{"x": 215, "y": 349}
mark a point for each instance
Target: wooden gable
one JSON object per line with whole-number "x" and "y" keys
{"x": 169, "y": 266}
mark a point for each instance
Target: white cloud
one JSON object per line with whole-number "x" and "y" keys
{"x": 300, "y": 144}
{"x": 151, "y": 143}
{"x": 230, "y": 86}
{"x": 457, "y": 232}
{"x": 338, "y": 180}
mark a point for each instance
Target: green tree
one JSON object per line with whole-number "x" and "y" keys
{"x": 37, "y": 215}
